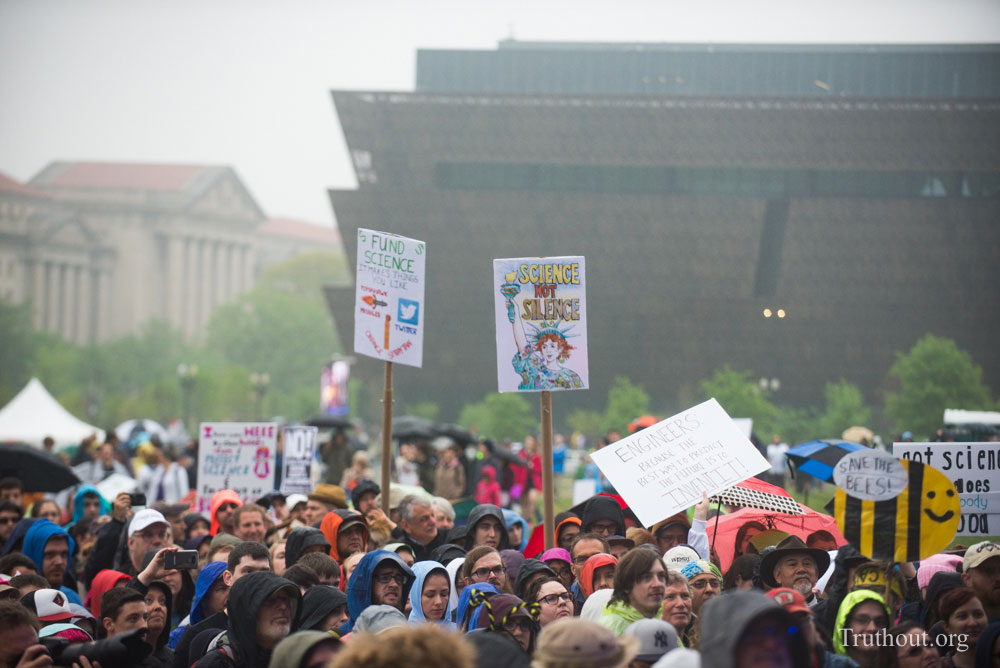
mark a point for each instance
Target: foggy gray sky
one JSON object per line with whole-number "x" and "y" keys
{"x": 246, "y": 82}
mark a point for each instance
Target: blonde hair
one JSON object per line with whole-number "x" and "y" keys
{"x": 424, "y": 645}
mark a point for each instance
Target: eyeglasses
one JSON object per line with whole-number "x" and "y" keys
{"x": 386, "y": 578}
{"x": 865, "y": 620}
{"x": 603, "y": 527}
{"x": 519, "y": 625}
{"x": 552, "y": 599}
{"x": 150, "y": 535}
{"x": 711, "y": 583}
{"x": 8, "y": 520}
{"x": 228, "y": 506}
{"x": 581, "y": 558}
{"x": 486, "y": 572}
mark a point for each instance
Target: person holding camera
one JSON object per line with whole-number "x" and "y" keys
{"x": 19, "y": 643}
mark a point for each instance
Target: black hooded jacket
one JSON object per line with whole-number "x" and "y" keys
{"x": 602, "y": 508}
{"x": 529, "y": 568}
{"x": 245, "y": 600}
{"x": 476, "y": 516}
{"x": 162, "y": 656}
{"x": 360, "y": 489}
{"x": 319, "y": 602}
{"x": 447, "y": 552}
{"x": 299, "y": 539}
{"x": 826, "y": 609}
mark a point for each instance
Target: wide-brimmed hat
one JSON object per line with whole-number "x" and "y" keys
{"x": 332, "y": 494}
{"x": 791, "y": 545}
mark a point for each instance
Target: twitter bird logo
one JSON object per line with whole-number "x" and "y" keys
{"x": 409, "y": 311}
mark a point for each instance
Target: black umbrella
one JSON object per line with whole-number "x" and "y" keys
{"x": 509, "y": 457}
{"x": 37, "y": 470}
{"x": 409, "y": 428}
{"x": 330, "y": 422}
{"x": 455, "y": 432}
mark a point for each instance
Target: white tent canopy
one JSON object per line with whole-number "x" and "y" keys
{"x": 958, "y": 416}
{"x": 34, "y": 414}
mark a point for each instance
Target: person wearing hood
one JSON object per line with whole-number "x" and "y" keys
{"x": 262, "y": 610}
{"x": 747, "y": 628}
{"x": 305, "y": 649}
{"x": 486, "y": 526}
{"x": 51, "y": 548}
{"x": 210, "y": 596}
{"x": 347, "y": 533}
{"x": 430, "y": 595}
{"x": 88, "y": 504}
{"x": 862, "y": 616}
{"x": 509, "y": 615}
{"x": 181, "y": 585}
{"x": 567, "y": 530}
{"x": 105, "y": 580}
{"x": 602, "y": 515}
{"x": 454, "y": 569}
{"x": 324, "y": 608}
{"x": 845, "y": 563}
{"x": 222, "y": 511}
{"x": 598, "y": 572}
{"x": 304, "y": 540}
{"x": 517, "y": 529}
{"x": 380, "y": 578}
{"x": 530, "y": 570}
{"x": 512, "y": 560}
{"x": 447, "y": 552}
{"x": 158, "y": 615}
{"x": 561, "y": 564}
{"x": 496, "y": 651}
{"x": 244, "y": 559}
{"x": 940, "y": 584}
{"x": 488, "y": 489}
{"x": 471, "y": 605}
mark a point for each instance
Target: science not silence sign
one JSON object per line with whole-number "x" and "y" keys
{"x": 540, "y": 307}
{"x": 664, "y": 469}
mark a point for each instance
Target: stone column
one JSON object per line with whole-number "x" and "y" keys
{"x": 190, "y": 294}
{"x": 51, "y": 296}
{"x": 38, "y": 293}
{"x": 235, "y": 272}
{"x": 175, "y": 282}
{"x": 104, "y": 307}
{"x": 83, "y": 305}
{"x": 248, "y": 277}
{"x": 68, "y": 299}
{"x": 205, "y": 275}
{"x": 221, "y": 274}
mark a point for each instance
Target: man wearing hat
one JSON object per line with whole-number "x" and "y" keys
{"x": 981, "y": 571}
{"x": 148, "y": 530}
{"x": 795, "y": 603}
{"x": 322, "y": 500}
{"x": 795, "y": 565}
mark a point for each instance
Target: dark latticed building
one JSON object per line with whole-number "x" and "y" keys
{"x": 868, "y": 213}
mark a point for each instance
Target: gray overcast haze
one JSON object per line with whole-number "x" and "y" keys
{"x": 246, "y": 82}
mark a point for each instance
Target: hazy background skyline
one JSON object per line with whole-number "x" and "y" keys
{"x": 246, "y": 83}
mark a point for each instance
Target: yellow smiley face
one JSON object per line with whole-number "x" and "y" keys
{"x": 939, "y": 508}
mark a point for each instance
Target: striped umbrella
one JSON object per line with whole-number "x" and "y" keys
{"x": 817, "y": 458}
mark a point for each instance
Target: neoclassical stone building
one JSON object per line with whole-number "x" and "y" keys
{"x": 99, "y": 249}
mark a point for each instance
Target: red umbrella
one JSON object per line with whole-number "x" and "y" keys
{"x": 796, "y": 525}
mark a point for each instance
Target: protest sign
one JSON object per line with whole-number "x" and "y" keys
{"x": 389, "y": 298}
{"x": 871, "y": 475}
{"x": 974, "y": 468}
{"x": 541, "y": 319}
{"x": 918, "y": 522}
{"x": 235, "y": 455}
{"x": 298, "y": 451}
{"x": 664, "y": 469}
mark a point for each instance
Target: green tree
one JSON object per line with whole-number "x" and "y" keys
{"x": 845, "y": 407}
{"x": 588, "y": 423}
{"x": 500, "y": 416}
{"x": 424, "y": 409}
{"x": 626, "y": 402}
{"x": 742, "y": 397}
{"x": 287, "y": 336}
{"x": 935, "y": 374}
{"x": 17, "y": 349}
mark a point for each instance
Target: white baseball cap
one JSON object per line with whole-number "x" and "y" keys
{"x": 145, "y": 518}
{"x": 979, "y": 553}
{"x": 293, "y": 500}
{"x": 679, "y": 556}
{"x": 49, "y": 605}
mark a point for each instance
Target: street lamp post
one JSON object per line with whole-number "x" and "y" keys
{"x": 258, "y": 388}
{"x": 186, "y": 375}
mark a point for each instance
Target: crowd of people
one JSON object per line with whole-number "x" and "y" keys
{"x": 330, "y": 579}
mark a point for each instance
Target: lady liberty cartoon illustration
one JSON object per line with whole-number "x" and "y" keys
{"x": 541, "y": 353}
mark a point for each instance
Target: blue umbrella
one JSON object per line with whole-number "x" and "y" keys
{"x": 817, "y": 458}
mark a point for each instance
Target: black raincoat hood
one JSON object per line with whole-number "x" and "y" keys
{"x": 299, "y": 539}
{"x": 245, "y": 598}
{"x": 724, "y": 619}
{"x": 318, "y": 603}
{"x": 476, "y": 516}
